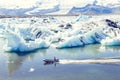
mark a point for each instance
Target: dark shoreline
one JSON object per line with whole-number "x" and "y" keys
{"x": 57, "y": 15}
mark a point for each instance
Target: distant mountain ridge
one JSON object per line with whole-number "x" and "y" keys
{"x": 62, "y": 7}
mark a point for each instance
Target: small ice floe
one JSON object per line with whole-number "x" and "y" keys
{"x": 111, "y": 41}
{"x": 10, "y": 62}
{"x": 31, "y": 70}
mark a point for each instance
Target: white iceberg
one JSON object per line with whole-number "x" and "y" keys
{"x": 82, "y": 36}
{"x": 71, "y": 42}
{"x": 17, "y": 43}
{"x": 113, "y": 37}
{"x": 111, "y": 41}
{"x": 27, "y": 34}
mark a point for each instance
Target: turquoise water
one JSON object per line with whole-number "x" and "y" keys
{"x": 17, "y": 66}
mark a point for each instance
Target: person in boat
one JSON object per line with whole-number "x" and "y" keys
{"x": 54, "y": 59}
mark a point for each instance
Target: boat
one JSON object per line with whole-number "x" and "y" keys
{"x": 51, "y": 61}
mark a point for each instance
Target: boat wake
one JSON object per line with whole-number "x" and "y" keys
{"x": 92, "y": 61}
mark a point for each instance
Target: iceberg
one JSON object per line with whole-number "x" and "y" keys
{"x": 113, "y": 37}
{"x": 89, "y": 34}
{"x": 16, "y": 43}
{"x": 111, "y": 41}
{"x": 27, "y": 34}
{"x": 71, "y": 42}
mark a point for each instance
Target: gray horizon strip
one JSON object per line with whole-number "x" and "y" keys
{"x": 42, "y": 15}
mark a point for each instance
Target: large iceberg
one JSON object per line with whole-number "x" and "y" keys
{"x": 16, "y": 43}
{"x": 28, "y": 34}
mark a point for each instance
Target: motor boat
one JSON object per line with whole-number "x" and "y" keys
{"x": 51, "y": 61}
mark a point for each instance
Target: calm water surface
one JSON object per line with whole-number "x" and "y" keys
{"x": 17, "y": 66}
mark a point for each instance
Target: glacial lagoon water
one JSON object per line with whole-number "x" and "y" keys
{"x": 30, "y": 66}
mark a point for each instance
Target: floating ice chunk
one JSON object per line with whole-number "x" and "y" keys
{"x": 82, "y": 18}
{"x": 76, "y": 39}
{"x": 16, "y": 43}
{"x": 112, "y": 37}
{"x": 71, "y": 42}
{"x": 31, "y": 70}
{"x": 111, "y": 41}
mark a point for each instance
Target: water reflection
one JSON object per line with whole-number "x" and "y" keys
{"x": 110, "y": 48}
{"x": 91, "y": 49}
{"x": 15, "y": 61}
{"x": 46, "y": 64}
{"x": 88, "y": 49}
